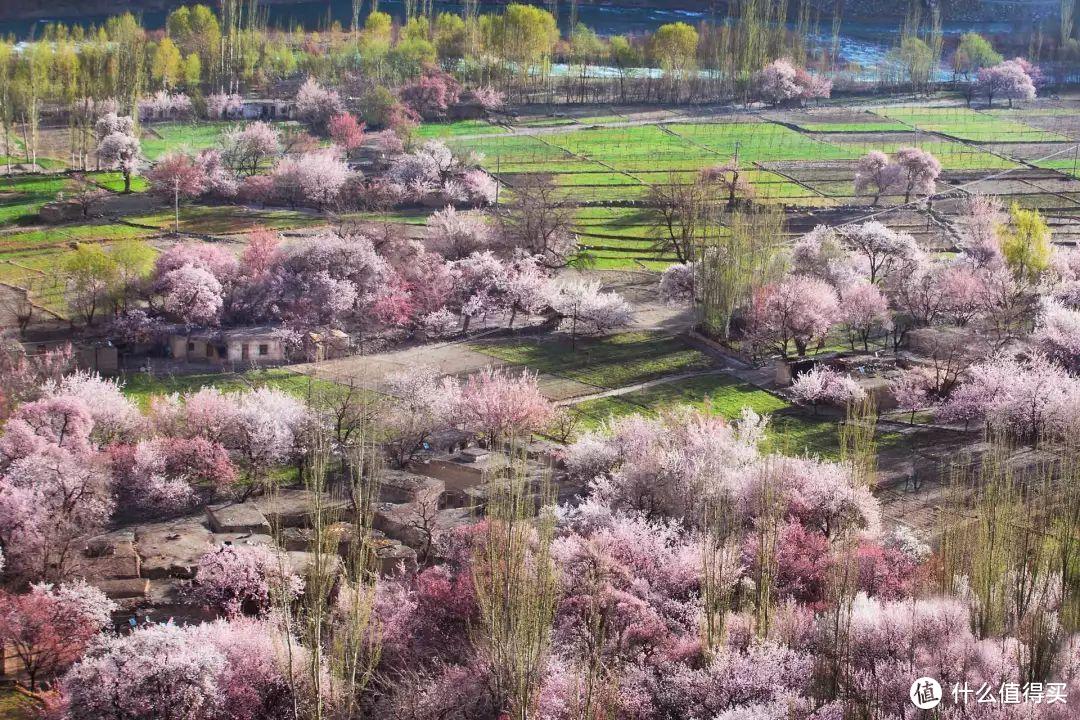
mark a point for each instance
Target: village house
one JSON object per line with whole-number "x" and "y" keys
{"x": 326, "y": 345}
{"x": 259, "y": 345}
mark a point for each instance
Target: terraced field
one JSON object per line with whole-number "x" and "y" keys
{"x": 803, "y": 159}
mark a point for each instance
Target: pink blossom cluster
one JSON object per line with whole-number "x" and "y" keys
{"x": 781, "y": 81}
{"x": 164, "y": 105}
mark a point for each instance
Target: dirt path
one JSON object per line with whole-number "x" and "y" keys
{"x": 373, "y": 371}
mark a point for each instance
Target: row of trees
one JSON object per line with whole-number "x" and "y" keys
{"x": 202, "y": 53}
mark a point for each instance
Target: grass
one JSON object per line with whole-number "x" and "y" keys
{"x": 16, "y": 706}
{"x": 453, "y": 129}
{"x": 22, "y": 196}
{"x": 967, "y": 124}
{"x": 141, "y": 387}
{"x": 158, "y": 140}
{"x": 401, "y": 217}
{"x": 789, "y": 430}
{"x": 224, "y": 219}
{"x": 609, "y": 362}
{"x": 870, "y": 126}
{"x": 61, "y": 235}
{"x": 114, "y": 181}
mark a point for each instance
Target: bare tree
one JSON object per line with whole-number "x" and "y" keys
{"x": 539, "y": 220}
{"x": 679, "y": 214}
{"x": 18, "y": 303}
{"x": 86, "y": 195}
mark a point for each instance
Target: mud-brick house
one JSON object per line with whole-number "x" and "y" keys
{"x": 268, "y": 109}
{"x": 259, "y": 345}
{"x": 326, "y": 345}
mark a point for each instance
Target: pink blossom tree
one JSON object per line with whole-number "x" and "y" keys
{"x": 914, "y": 390}
{"x": 863, "y": 308}
{"x": 983, "y": 217}
{"x": 113, "y": 414}
{"x": 892, "y": 639}
{"x": 825, "y": 385}
{"x": 457, "y": 235}
{"x": 821, "y": 254}
{"x": 314, "y": 178}
{"x": 62, "y": 422}
{"x": 49, "y": 628}
{"x": 481, "y": 189}
{"x": 480, "y": 282}
{"x": 164, "y": 476}
{"x": 191, "y": 295}
{"x": 503, "y": 407}
{"x": 919, "y": 171}
{"x": 803, "y": 561}
{"x": 585, "y": 309}
{"x": 110, "y": 123}
{"x": 882, "y": 248}
{"x": 221, "y": 181}
{"x": 422, "y": 403}
{"x": 257, "y": 189}
{"x": 177, "y": 176}
{"x": 781, "y": 81}
{"x": 222, "y": 106}
{"x": 22, "y": 376}
{"x": 431, "y": 94}
{"x": 247, "y": 149}
{"x": 215, "y": 259}
{"x": 242, "y": 669}
{"x": 315, "y": 104}
{"x": 819, "y": 494}
{"x": 138, "y": 674}
{"x": 429, "y": 280}
{"x": 322, "y": 281}
{"x": 798, "y": 310}
{"x": 267, "y": 429}
{"x": 346, "y": 131}
{"x": 1057, "y": 334}
{"x": 244, "y": 579}
{"x": 49, "y": 501}
{"x": 266, "y": 673}
{"x": 527, "y": 288}
{"x": 962, "y": 294}
{"x": 123, "y": 152}
{"x": 1028, "y": 399}
{"x": 917, "y": 293}
{"x": 262, "y": 252}
{"x": 666, "y": 467}
{"x": 875, "y": 172}
{"x": 1009, "y": 79}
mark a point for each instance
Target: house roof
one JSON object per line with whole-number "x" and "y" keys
{"x": 254, "y": 332}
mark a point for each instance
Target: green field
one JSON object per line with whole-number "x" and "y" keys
{"x": 141, "y": 387}
{"x": 160, "y": 139}
{"x": 62, "y": 235}
{"x": 431, "y": 130}
{"x": 789, "y": 430}
{"x": 22, "y": 196}
{"x": 967, "y": 124}
{"x": 609, "y": 362}
{"x": 617, "y": 165}
{"x": 225, "y": 219}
